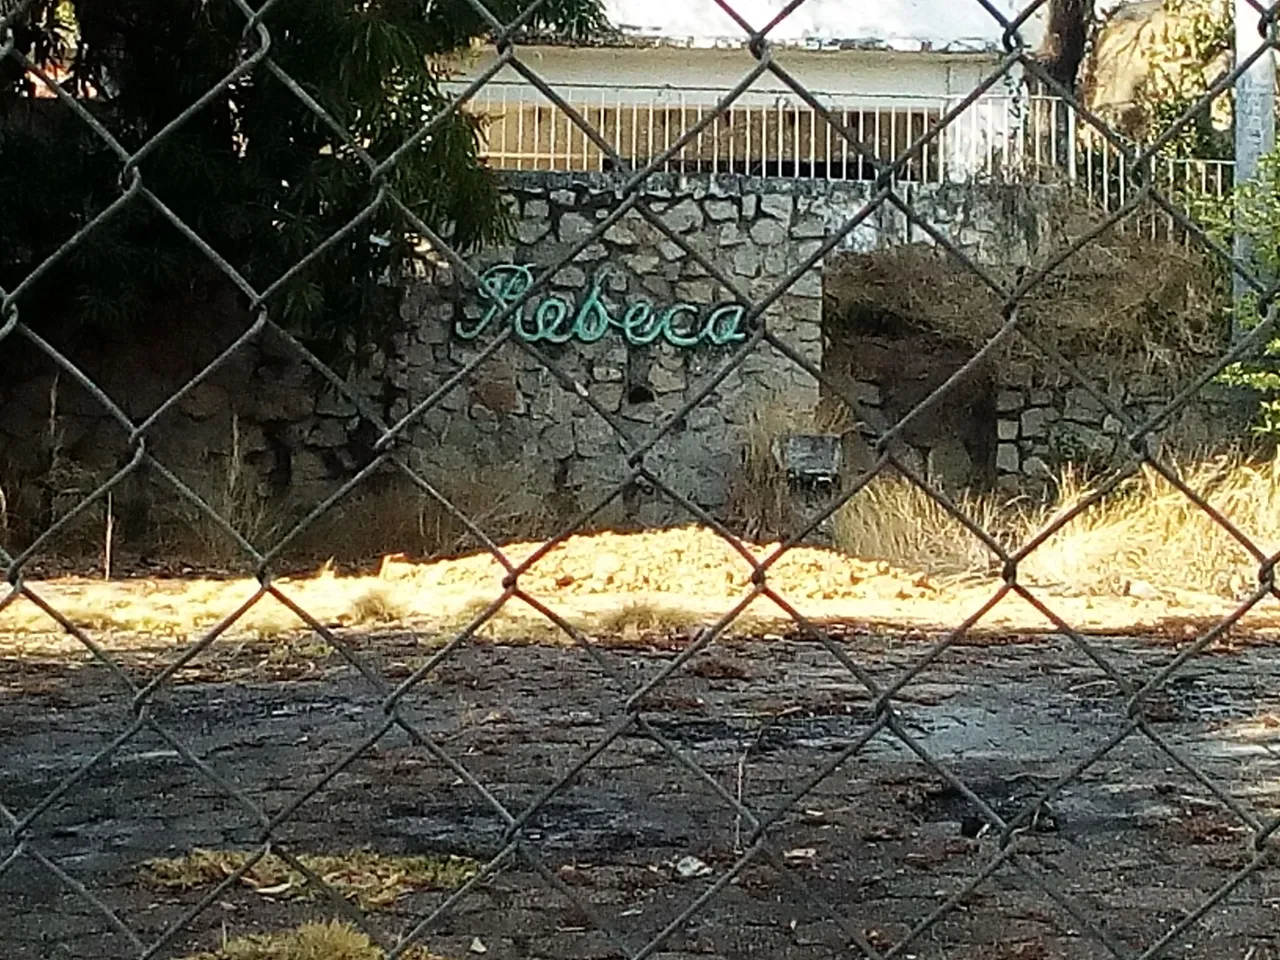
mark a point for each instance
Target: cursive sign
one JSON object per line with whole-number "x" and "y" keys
{"x": 554, "y": 319}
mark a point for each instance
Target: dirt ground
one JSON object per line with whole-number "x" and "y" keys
{"x": 1134, "y": 844}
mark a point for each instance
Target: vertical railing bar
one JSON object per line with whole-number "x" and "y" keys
{"x": 715, "y": 144}
{"x": 813, "y": 143}
{"x": 827, "y": 159}
{"x": 519, "y": 133}
{"x": 553, "y": 116}
{"x": 649, "y": 145}
{"x": 879, "y": 154}
{"x": 536, "y": 152}
{"x": 893, "y": 135}
{"x": 1072, "y": 121}
{"x": 731, "y": 121}
{"x": 778, "y": 141}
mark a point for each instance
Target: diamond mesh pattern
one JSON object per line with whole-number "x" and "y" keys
{"x": 1010, "y": 833}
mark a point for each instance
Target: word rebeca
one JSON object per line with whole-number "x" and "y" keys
{"x": 553, "y": 319}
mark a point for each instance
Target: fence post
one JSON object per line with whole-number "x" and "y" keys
{"x": 1255, "y": 125}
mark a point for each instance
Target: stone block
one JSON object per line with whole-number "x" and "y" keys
{"x": 779, "y": 206}
{"x": 1083, "y": 407}
{"x": 1008, "y": 401}
{"x": 664, "y": 379}
{"x": 707, "y": 418}
{"x": 530, "y": 232}
{"x": 657, "y": 287}
{"x": 608, "y": 395}
{"x": 537, "y": 210}
{"x": 1007, "y": 429}
{"x": 731, "y": 235}
{"x": 1008, "y": 459}
{"x": 721, "y": 210}
{"x": 1075, "y": 440}
{"x": 1036, "y": 468}
{"x": 556, "y": 441}
{"x": 775, "y": 262}
{"x": 768, "y": 233}
{"x": 621, "y": 235}
{"x": 570, "y": 277}
{"x": 606, "y": 373}
{"x": 746, "y": 262}
{"x": 642, "y": 263}
{"x": 684, "y": 217}
{"x": 595, "y": 475}
{"x": 1036, "y": 420}
{"x": 592, "y": 437}
{"x": 808, "y": 228}
{"x": 808, "y": 285}
{"x": 698, "y": 292}
{"x": 949, "y": 464}
{"x": 671, "y": 251}
{"x": 574, "y": 227}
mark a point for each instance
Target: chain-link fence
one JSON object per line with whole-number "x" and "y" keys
{"x": 766, "y": 829}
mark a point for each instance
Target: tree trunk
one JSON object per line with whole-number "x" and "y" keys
{"x": 1062, "y": 51}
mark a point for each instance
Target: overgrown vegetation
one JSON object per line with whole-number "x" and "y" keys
{"x": 1130, "y": 305}
{"x": 256, "y": 173}
{"x": 1148, "y": 67}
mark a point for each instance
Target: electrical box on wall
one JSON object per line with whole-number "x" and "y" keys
{"x": 809, "y": 459}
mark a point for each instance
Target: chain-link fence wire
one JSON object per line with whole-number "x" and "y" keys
{"x": 21, "y": 825}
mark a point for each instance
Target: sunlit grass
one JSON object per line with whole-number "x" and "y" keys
{"x": 369, "y": 879}
{"x": 310, "y": 941}
{"x": 1146, "y": 531}
{"x": 900, "y": 557}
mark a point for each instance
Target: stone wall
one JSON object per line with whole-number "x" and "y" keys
{"x": 513, "y": 412}
{"x": 511, "y": 431}
{"x": 1040, "y": 430}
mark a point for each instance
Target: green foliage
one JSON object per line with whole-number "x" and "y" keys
{"x": 1253, "y": 208}
{"x": 1181, "y": 78}
{"x": 255, "y": 173}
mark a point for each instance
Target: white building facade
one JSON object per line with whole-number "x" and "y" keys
{"x": 888, "y": 71}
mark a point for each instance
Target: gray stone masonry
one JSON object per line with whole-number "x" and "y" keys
{"x": 512, "y": 409}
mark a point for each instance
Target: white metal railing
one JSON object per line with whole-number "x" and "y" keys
{"x": 776, "y": 134}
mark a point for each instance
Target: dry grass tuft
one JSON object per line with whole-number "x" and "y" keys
{"x": 893, "y": 520}
{"x": 378, "y": 605}
{"x": 310, "y": 941}
{"x": 636, "y": 618}
{"x": 1147, "y": 531}
{"x": 238, "y": 498}
{"x": 392, "y": 515}
{"x": 1144, "y": 532}
{"x": 513, "y": 622}
{"x": 372, "y": 880}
